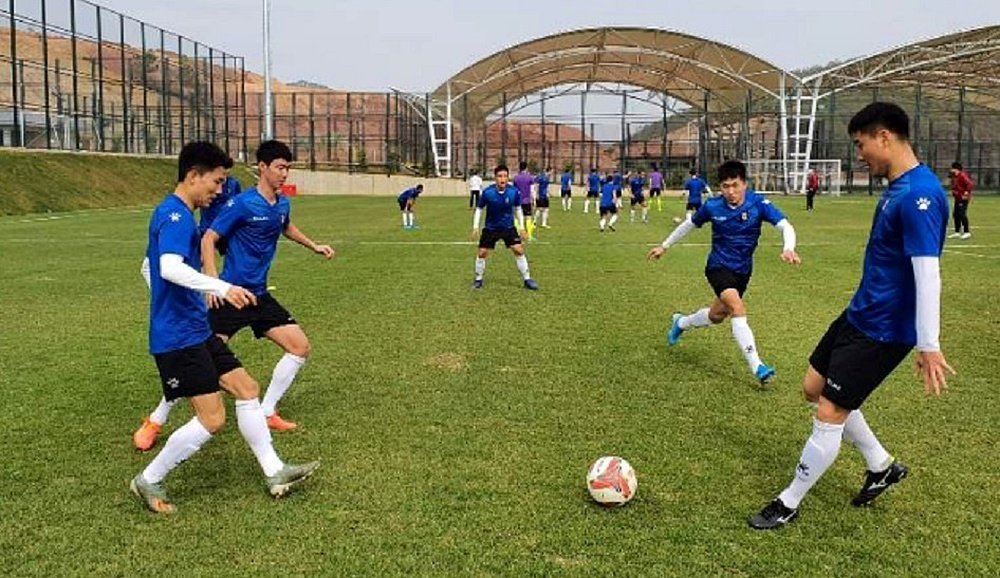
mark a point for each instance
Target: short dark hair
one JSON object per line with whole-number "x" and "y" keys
{"x": 879, "y": 115}
{"x": 693, "y": 172}
{"x": 500, "y": 168}
{"x": 522, "y": 165}
{"x": 956, "y": 165}
{"x": 201, "y": 157}
{"x": 732, "y": 170}
{"x": 272, "y": 150}
{"x": 419, "y": 187}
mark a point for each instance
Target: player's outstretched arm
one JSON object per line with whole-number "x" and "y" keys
{"x": 681, "y": 231}
{"x": 788, "y": 254}
{"x": 293, "y": 233}
{"x": 174, "y": 270}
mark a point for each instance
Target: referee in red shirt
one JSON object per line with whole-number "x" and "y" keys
{"x": 961, "y": 190}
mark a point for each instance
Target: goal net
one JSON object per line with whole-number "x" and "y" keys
{"x": 768, "y": 176}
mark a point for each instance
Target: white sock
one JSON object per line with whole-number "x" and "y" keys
{"x": 569, "y": 204}
{"x": 405, "y": 220}
{"x": 545, "y": 217}
{"x": 480, "y": 267}
{"x": 522, "y": 266}
{"x": 410, "y": 216}
{"x": 744, "y": 338}
{"x": 281, "y": 379}
{"x": 181, "y": 445}
{"x": 697, "y": 319}
{"x": 586, "y": 205}
{"x": 857, "y": 432}
{"x": 600, "y": 224}
{"x": 819, "y": 453}
{"x": 161, "y": 414}
{"x": 631, "y": 215}
{"x": 645, "y": 213}
{"x": 253, "y": 426}
{"x": 614, "y": 219}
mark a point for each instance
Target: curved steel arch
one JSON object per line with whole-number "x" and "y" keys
{"x": 658, "y": 60}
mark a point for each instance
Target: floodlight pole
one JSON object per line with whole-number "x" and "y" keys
{"x": 268, "y": 105}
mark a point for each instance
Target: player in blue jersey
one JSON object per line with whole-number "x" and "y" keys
{"x": 192, "y": 362}
{"x": 566, "y": 190}
{"x": 608, "y": 205}
{"x": 252, "y": 226}
{"x": 736, "y": 219}
{"x": 616, "y": 178}
{"x": 407, "y": 200}
{"x": 636, "y": 183}
{"x": 594, "y": 182}
{"x": 542, "y": 197}
{"x": 896, "y": 307}
{"x": 502, "y": 203}
{"x": 694, "y": 186}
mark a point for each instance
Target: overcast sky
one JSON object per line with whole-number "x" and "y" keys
{"x": 418, "y": 44}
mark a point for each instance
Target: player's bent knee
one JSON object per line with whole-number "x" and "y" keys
{"x": 829, "y": 412}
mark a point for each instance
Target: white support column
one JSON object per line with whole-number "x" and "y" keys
{"x": 783, "y": 99}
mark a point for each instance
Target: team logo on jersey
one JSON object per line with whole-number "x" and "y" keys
{"x": 743, "y": 216}
{"x": 174, "y": 217}
{"x": 230, "y": 202}
{"x": 923, "y": 203}
{"x": 258, "y": 218}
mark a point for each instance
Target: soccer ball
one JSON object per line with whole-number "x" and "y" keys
{"x": 611, "y": 481}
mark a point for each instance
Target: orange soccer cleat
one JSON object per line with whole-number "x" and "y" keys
{"x": 275, "y": 423}
{"x": 144, "y": 438}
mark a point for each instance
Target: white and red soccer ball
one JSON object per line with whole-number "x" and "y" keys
{"x": 611, "y": 481}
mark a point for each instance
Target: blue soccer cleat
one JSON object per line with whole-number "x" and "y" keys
{"x": 674, "y": 335}
{"x": 531, "y": 284}
{"x": 764, "y": 374}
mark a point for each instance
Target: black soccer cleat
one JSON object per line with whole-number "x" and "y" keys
{"x": 774, "y": 515}
{"x": 477, "y": 284}
{"x": 878, "y": 482}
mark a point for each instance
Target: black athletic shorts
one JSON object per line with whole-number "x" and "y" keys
{"x": 692, "y": 206}
{"x": 721, "y": 279}
{"x": 402, "y": 205}
{"x": 654, "y": 192}
{"x": 637, "y": 200}
{"x": 591, "y": 194}
{"x": 612, "y": 210}
{"x": 489, "y": 237}
{"x": 853, "y": 363}
{"x": 526, "y": 209}
{"x": 566, "y": 193}
{"x": 195, "y": 370}
{"x": 262, "y": 317}
{"x": 542, "y": 203}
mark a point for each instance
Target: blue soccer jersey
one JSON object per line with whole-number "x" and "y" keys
{"x": 230, "y": 189}
{"x": 695, "y": 187}
{"x": 565, "y": 181}
{"x": 617, "y": 180}
{"x": 608, "y": 194}
{"x": 408, "y": 194}
{"x": 178, "y": 317}
{"x": 543, "y": 185}
{"x": 252, "y": 227}
{"x": 911, "y": 220}
{"x": 736, "y": 230}
{"x": 593, "y": 183}
{"x": 635, "y": 185}
{"x": 499, "y": 206}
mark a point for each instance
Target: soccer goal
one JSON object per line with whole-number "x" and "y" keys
{"x": 768, "y": 176}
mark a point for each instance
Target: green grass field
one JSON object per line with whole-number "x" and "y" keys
{"x": 456, "y": 427}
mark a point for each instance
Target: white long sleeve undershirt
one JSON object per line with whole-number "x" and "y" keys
{"x": 173, "y": 269}
{"x": 679, "y": 233}
{"x": 144, "y": 271}
{"x": 787, "y": 235}
{"x": 927, "y": 276}
{"x": 519, "y": 218}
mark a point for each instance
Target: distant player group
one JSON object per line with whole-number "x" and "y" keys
{"x": 896, "y": 306}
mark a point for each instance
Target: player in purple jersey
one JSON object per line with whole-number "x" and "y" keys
{"x": 192, "y": 362}
{"x": 523, "y": 182}
{"x": 736, "y": 219}
{"x": 656, "y": 187}
{"x": 896, "y": 307}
